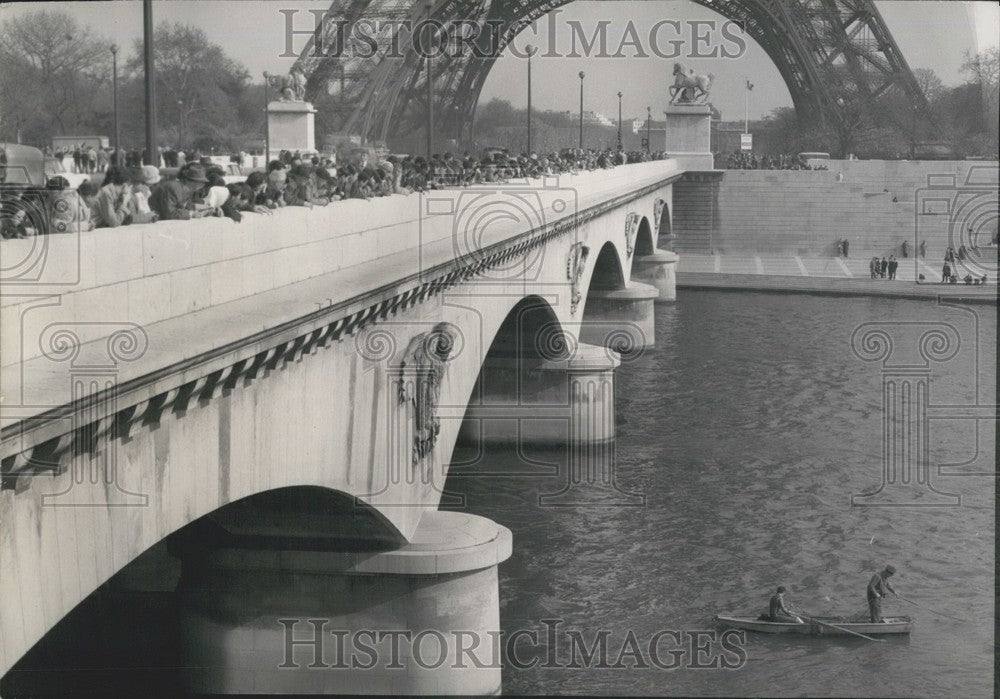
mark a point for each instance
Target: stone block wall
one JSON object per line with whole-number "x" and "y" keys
{"x": 875, "y": 204}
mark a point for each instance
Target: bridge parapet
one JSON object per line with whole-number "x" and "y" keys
{"x": 189, "y": 293}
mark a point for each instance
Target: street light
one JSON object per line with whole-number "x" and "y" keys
{"x": 619, "y": 120}
{"x": 582, "y": 75}
{"x": 267, "y": 122}
{"x": 152, "y": 157}
{"x": 531, "y": 52}
{"x": 430, "y": 86}
{"x": 180, "y": 123}
{"x": 114, "y": 89}
{"x": 649, "y": 121}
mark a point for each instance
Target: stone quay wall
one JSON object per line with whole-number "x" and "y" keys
{"x": 874, "y": 204}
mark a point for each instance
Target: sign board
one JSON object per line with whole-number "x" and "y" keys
{"x": 746, "y": 141}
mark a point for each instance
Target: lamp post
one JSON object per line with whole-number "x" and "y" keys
{"x": 582, "y": 75}
{"x": 267, "y": 122}
{"x": 114, "y": 90}
{"x": 649, "y": 121}
{"x": 430, "y": 87}
{"x": 181, "y": 131}
{"x": 150, "y": 74}
{"x": 531, "y": 52}
{"x": 619, "y": 120}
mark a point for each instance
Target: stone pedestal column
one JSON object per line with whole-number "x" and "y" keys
{"x": 689, "y": 135}
{"x": 291, "y": 127}
{"x": 421, "y": 619}
{"x": 659, "y": 270}
{"x": 622, "y": 319}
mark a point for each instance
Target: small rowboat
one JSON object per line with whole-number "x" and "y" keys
{"x": 891, "y": 625}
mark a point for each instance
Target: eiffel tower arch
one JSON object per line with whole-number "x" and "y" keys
{"x": 837, "y": 58}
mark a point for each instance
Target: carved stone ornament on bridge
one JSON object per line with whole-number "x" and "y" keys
{"x": 689, "y": 88}
{"x": 657, "y": 215}
{"x": 575, "y": 264}
{"x": 421, "y": 371}
{"x": 631, "y": 228}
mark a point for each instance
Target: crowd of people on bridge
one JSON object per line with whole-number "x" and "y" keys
{"x": 748, "y": 160}
{"x": 139, "y": 194}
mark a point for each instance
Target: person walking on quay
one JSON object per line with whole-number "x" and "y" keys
{"x": 893, "y": 265}
{"x": 872, "y": 267}
{"x": 883, "y": 268}
{"x": 76, "y": 160}
{"x": 878, "y": 587}
{"x": 945, "y": 272}
{"x": 904, "y": 248}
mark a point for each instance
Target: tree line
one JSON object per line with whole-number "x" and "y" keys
{"x": 57, "y": 80}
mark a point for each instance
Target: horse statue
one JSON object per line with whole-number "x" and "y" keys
{"x": 291, "y": 87}
{"x": 689, "y": 88}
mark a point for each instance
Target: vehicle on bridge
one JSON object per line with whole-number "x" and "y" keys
{"x": 28, "y": 166}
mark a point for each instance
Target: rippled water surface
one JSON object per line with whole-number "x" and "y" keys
{"x": 748, "y": 428}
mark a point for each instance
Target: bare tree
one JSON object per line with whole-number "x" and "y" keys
{"x": 929, "y": 82}
{"x": 54, "y": 70}
{"x": 198, "y": 87}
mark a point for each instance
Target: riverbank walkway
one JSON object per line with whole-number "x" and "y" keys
{"x": 830, "y": 275}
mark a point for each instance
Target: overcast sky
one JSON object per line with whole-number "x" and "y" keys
{"x": 930, "y": 34}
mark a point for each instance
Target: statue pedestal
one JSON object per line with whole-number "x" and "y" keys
{"x": 689, "y": 135}
{"x": 291, "y": 127}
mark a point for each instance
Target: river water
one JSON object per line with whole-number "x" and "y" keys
{"x": 748, "y": 428}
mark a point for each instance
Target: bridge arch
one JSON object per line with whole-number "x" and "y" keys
{"x": 645, "y": 243}
{"x": 609, "y": 271}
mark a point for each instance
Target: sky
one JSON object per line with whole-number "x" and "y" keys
{"x": 930, "y": 34}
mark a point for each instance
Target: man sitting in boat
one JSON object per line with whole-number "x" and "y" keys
{"x": 878, "y": 586}
{"x": 777, "y": 610}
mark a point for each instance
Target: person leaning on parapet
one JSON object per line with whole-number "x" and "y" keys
{"x": 143, "y": 179}
{"x": 172, "y": 199}
{"x": 113, "y": 206}
{"x": 68, "y": 211}
{"x": 893, "y": 265}
{"x": 274, "y": 192}
{"x": 301, "y": 189}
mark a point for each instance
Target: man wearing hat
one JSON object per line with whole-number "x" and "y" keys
{"x": 778, "y": 612}
{"x": 171, "y": 199}
{"x": 143, "y": 179}
{"x": 878, "y": 586}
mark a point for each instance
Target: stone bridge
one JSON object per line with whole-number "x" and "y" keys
{"x": 279, "y": 400}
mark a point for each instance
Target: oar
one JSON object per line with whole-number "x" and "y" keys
{"x": 841, "y": 628}
{"x": 932, "y": 611}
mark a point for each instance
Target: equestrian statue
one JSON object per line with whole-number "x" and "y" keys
{"x": 689, "y": 88}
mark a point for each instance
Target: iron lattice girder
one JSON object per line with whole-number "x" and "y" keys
{"x": 835, "y": 56}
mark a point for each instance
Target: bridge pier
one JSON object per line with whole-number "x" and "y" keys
{"x": 284, "y": 615}
{"x": 545, "y": 403}
{"x": 622, "y": 319}
{"x": 659, "y": 270}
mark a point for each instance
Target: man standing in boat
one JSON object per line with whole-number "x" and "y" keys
{"x": 878, "y": 587}
{"x": 777, "y": 610}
